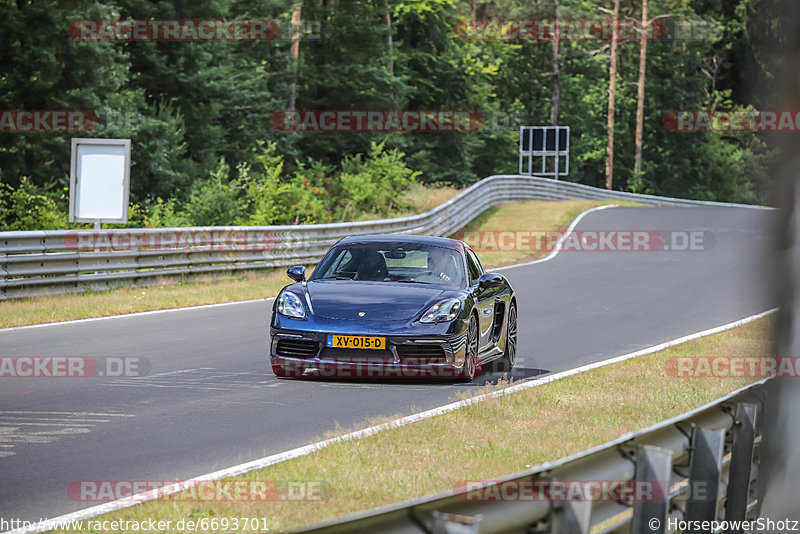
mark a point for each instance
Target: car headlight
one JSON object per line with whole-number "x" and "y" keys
{"x": 290, "y": 305}
{"x": 444, "y": 310}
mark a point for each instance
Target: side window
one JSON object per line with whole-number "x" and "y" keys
{"x": 474, "y": 267}
{"x": 344, "y": 260}
{"x": 338, "y": 263}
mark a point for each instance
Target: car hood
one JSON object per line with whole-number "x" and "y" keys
{"x": 378, "y": 301}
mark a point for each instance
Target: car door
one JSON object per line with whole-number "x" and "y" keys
{"x": 484, "y": 298}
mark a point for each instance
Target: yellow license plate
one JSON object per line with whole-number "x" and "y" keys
{"x": 356, "y": 342}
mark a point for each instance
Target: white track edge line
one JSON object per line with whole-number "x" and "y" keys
{"x": 560, "y": 243}
{"x": 134, "y": 314}
{"x": 267, "y": 461}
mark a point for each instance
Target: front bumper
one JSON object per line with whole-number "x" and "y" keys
{"x": 304, "y": 353}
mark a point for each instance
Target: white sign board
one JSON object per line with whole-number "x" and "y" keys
{"x": 100, "y": 180}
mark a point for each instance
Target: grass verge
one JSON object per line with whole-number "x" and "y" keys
{"x": 539, "y": 215}
{"x": 498, "y": 436}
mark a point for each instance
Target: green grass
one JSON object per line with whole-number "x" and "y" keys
{"x": 164, "y": 294}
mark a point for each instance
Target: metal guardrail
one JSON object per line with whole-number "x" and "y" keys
{"x": 62, "y": 261}
{"x": 706, "y": 461}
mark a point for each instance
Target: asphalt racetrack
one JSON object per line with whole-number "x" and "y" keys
{"x": 210, "y": 400}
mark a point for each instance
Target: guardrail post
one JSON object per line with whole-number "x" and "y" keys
{"x": 571, "y": 517}
{"x": 705, "y": 466}
{"x": 744, "y": 434}
{"x": 3, "y": 276}
{"x": 653, "y": 466}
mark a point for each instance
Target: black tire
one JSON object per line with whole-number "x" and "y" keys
{"x": 509, "y": 358}
{"x": 470, "y": 368}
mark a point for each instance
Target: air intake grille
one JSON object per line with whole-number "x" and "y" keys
{"x": 424, "y": 353}
{"x": 297, "y": 348}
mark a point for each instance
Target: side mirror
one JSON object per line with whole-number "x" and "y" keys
{"x": 488, "y": 280}
{"x": 297, "y": 273}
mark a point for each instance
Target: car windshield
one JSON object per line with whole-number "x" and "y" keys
{"x": 379, "y": 262}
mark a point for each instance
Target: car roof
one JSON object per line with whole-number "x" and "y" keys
{"x": 404, "y": 238}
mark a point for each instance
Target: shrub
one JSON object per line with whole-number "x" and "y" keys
{"x": 373, "y": 184}
{"x": 30, "y": 207}
{"x": 165, "y": 214}
{"x": 216, "y": 200}
{"x": 264, "y": 193}
{"x": 313, "y": 194}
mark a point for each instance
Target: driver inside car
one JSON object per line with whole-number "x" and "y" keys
{"x": 371, "y": 266}
{"x": 442, "y": 267}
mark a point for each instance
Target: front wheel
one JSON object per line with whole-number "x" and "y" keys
{"x": 470, "y": 368}
{"x": 509, "y": 358}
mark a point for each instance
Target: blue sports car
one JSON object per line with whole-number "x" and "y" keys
{"x": 394, "y": 306}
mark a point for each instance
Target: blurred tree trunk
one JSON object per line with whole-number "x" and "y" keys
{"x": 295, "y": 53}
{"x": 389, "y": 44}
{"x": 555, "y": 102}
{"x": 637, "y": 166}
{"x": 612, "y": 95}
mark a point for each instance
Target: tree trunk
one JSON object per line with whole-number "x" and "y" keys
{"x": 612, "y": 94}
{"x": 556, "y": 101}
{"x": 389, "y": 36}
{"x": 295, "y": 53}
{"x": 637, "y": 166}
